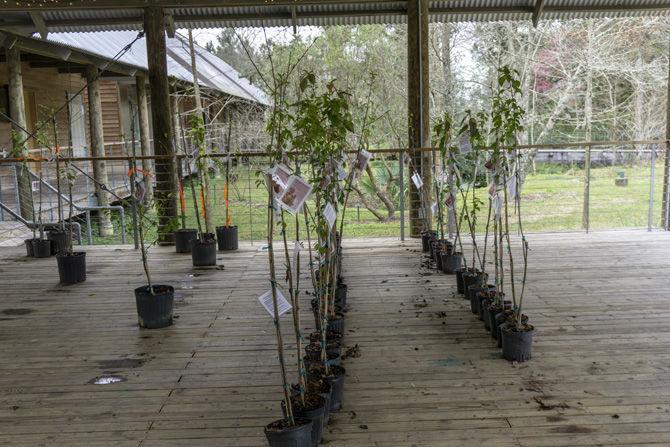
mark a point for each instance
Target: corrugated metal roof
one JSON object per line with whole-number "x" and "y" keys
{"x": 346, "y": 12}
{"x": 213, "y": 73}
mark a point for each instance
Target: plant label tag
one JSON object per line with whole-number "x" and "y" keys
{"x": 283, "y": 305}
{"x": 493, "y": 190}
{"x": 497, "y": 206}
{"x": 35, "y": 185}
{"x": 341, "y": 173}
{"x": 330, "y": 214}
{"x": 434, "y": 208}
{"x": 295, "y": 194}
{"x": 418, "y": 182}
{"x": 512, "y": 187}
{"x": 280, "y": 176}
{"x": 362, "y": 159}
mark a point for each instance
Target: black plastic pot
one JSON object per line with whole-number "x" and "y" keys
{"x": 460, "y": 288}
{"x": 71, "y": 267}
{"x": 313, "y": 350}
{"x": 41, "y": 248}
{"x": 60, "y": 241}
{"x": 473, "y": 290}
{"x": 279, "y": 434}
{"x": 29, "y": 247}
{"x": 470, "y": 277}
{"x": 154, "y": 311}
{"x": 184, "y": 239}
{"x": 203, "y": 252}
{"x": 517, "y": 346}
{"x": 336, "y": 324}
{"x": 315, "y": 337}
{"x": 426, "y": 236}
{"x": 481, "y": 298}
{"x": 315, "y": 415}
{"x": 437, "y": 256}
{"x": 494, "y": 311}
{"x": 341, "y": 295}
{"x": 484, "y": 312}
{"x": 227, "y": 238}
{"x": 333, "y": 359}
{"x": 336, "y": 380}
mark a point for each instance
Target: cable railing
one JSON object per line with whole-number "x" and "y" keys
{"x": 583, "y": 186}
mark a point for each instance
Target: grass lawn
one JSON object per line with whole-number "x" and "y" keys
{"x": 552, "y": 200}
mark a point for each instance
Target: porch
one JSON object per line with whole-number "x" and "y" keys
{"x": 427, "y": 374}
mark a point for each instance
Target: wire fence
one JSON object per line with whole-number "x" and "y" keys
{"x": 566, "y": 188}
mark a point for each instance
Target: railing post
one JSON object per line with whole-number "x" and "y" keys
{"x": 401, "y": 179}
{"x": 666, "y": 189}
{"x": 651, "y": 187}
{"x": 587, "y": 188}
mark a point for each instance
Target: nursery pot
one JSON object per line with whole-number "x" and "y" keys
{"x": 154, "y": 311}
{"x": 341, "y": 295}
{"x": 336, "y": 379}
{"x": 29, "y": 247}
{"x": 426, "y": 236}
{"x": 517, "y": 344}
{"x": 280, "y": 434}
{"x": 482, "y": 295}
{"x": 71, "y": 267}
{"x": 336, "y": 324}
{"x": 460, "y": 288}
{"x": 313, "y": 350}
{"x": 41, "y": 248}
{"x": 203, "y": 251}
{"x": 184, "y": 239}
{"x": 59, "y": 241}
{"x": 315, "y": 337}
{"x": 470, "y": 277}
{"x": 494, "y": 312}
{"x": 227, "y": 237}
{"x": 473, "y": 291}
{"x": 437, "y": 256}
{"x": 314, "y": 410}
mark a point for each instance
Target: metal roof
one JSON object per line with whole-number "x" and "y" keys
{"x": 213, "y": 73}
{"x": 103, "y": 15}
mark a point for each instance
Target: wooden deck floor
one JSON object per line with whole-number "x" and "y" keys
{"x": 428, "y": 374}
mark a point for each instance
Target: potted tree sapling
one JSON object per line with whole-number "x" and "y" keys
{"x": 41, "y": 245}
{"x": 184, "y": 237}
{"x": 515, "y": 332}
{"x": 227, "y": 235}
{"x": 203, "y": 249}
{"x": 71, "y": 264}
{"x": 291, "y": 430}
{"x": 322, "y": 124}
{"x": 155, "y": 302}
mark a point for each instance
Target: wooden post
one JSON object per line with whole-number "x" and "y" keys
{"x": 666, "y": 167}
{"x": 145, "y": 137}
{"x": 418, "y": 109}
{"x": 17, "y": 112}
{"x": 98, "y": 149}
{"x": 165, "y": 193}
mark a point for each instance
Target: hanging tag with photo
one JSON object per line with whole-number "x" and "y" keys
{"x": 294, "y": 195}
{"x": 283, "y": 305}
{"x": 418, "y": 182}
{"x": 280, "y": 175}
{"x": 330, "y": 214}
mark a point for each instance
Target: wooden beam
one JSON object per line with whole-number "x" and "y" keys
{"x": 165, "y": 173}
{"x": 39, "y": 23}
{"x": 665, "y": 209}
{"x": 418, "y": 110}
{"x": 537, "y": 11}
{"x": 17, "y": 113}
{"x": 145, "y": 137}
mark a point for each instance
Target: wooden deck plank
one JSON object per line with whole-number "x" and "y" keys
{"x": 428, "y": 374}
